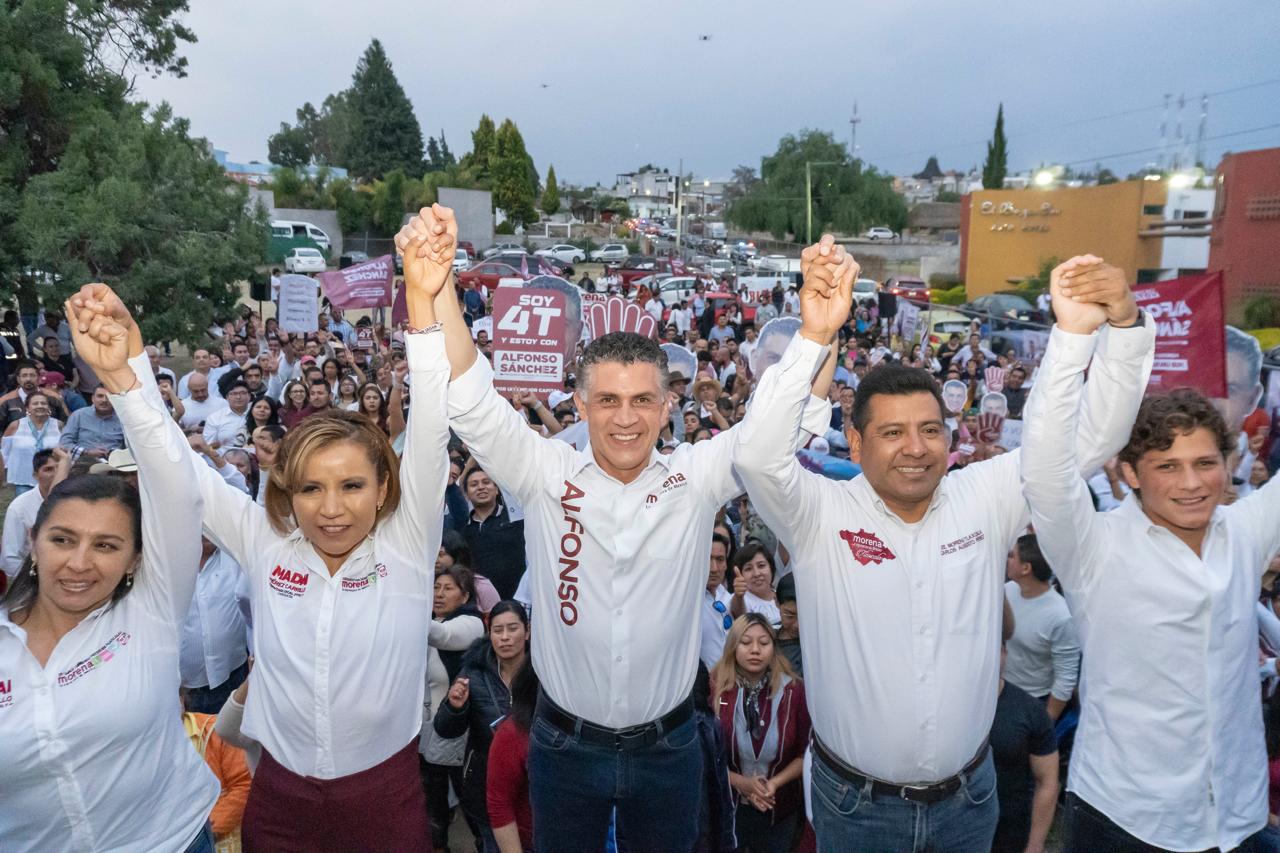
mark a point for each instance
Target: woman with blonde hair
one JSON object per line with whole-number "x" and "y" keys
{"x": 340, "y": 569}
{"x": 760, "y": 702}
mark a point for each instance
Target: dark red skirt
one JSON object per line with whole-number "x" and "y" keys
{"x": 379, "y": 809}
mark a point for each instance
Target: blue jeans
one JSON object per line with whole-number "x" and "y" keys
{"x": 203, "y": 842}
{"x": 847, "y": 818}
{"x": 574, "y": 788}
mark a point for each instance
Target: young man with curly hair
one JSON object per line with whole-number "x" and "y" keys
{"x": 1170, "y": 753}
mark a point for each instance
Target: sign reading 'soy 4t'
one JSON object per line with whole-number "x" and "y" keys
{"x": 529, "y": 327}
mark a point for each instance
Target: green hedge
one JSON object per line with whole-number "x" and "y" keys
{"x": 951, "y": 296}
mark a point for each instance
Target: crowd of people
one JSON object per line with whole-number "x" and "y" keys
{"x": 313, "y": 596}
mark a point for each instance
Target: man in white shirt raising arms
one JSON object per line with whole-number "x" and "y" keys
{"x": 1170, "y": 751}
{"x": 619, "y": 540}
{"x": 899, "y": 581}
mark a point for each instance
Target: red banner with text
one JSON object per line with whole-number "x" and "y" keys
{"x": 1190, "y": 333}
{"x": 366, "y": 285}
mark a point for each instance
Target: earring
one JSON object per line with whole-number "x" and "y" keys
{"x": 33, "y": 569}
{"x": 128, "y": 581}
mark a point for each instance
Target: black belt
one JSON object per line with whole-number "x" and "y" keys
{"x": 632, "y": 737}
{"x": 935, "y": 793}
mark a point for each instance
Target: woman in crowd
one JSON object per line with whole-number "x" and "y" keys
{"x": 331, "y": 372}
{"x": 478, "y": 699}
{"x": 247, "y": 465}
{"x": 294, "y": 407}
{"x": 371, "y": 404}
{"x": 36, "y": 431}
{"x": 92, "y": 755}
{"x": 455, "y": 552}
{"x": 507, "y": 786}
{"x": 265, "y": 411}
{"x": 766, "y": 727}
{"x": 752, "y": 584}
{"x": 457, "y": 626}
{"x": 338, "y": 563}
{"x": 347, "y": 398}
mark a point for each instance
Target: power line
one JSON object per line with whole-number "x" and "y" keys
{"x": 1149, "y": 149}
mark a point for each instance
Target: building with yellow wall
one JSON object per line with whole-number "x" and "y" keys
{"x": 1007, "y": 234}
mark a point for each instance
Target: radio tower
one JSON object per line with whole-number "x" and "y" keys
{"x": 1163, "y": 160}
{"x": 1200, "y": 131}
{"x": 854, "y": 121}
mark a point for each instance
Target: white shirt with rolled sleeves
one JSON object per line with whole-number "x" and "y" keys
{"x": 900, "y": 622}
{"x": 617, "y": 571}
{"x": 1170, "y": 745}
{"x": 214, "y": 634}
{"x": 18, "y": 518}
{"x": 93, "y": 755}
{"x": 340, "y": 661}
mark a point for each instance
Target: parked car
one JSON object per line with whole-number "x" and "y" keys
{"x": 610, "y": 253}
{"x": 489, "y": 273}
{"x": 676, "y": 289}
{"x": 304, "y": 260}
{"x": 943, "y": 322}
{"x": 288, "y": 229}
{"x": 743, "y": 251}
{"x": 879, "y": 233}
{"x": 1005, "y": 306}
{"x": 865, "y": 288}
{"x": 504, "y": 249}
{"x": 535, "y": 264}
{"x": 351, "y": 259}
{"x": 772, "y": 263}
{"x": 460, "y": 259}
{"x": 719, "y": 266}
{"x": 563, "y": 252}
{"x": 469, "y": 246}
{"x": 908, "y": 287}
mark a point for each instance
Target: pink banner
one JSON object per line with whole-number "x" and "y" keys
{"x": 529, "y": 339}
{"x": 366, "y": 285}
{"x": 1190, "y": 333}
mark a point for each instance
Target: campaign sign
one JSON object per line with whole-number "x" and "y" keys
{"x": 364, "y": 337}
{"x": 529, "y": 329}
{"x": 366, "y": 285}
{"x": 1190, "y": 333}
{"x": 299, "y": 309}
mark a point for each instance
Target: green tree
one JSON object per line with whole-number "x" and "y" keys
{"x": 551, "y": 195}
{"x": 847, "y": 196}
{"x": 385, "y": 133}
{"x": 388, "y": 205}
{"x": 139, "y": 204}
{"x": 1040, "y": 281}
{"x": 949, "y": 196}
{"x": 997, "y": 162}
{"x": 484, "y": 146}
{"x": 513, "y": 181}
{"x": 439, "y": 157}
{"x": 290, "y": 148}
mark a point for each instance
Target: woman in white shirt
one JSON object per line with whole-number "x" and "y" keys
{"x": 339, "y": 562}
{"x": 753, "y": 574}
{"x": 93, "y": 755}
{"x": 25, "y": 437}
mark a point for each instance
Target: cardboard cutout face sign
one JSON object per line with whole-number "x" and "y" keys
{"x": 954, "y": 393}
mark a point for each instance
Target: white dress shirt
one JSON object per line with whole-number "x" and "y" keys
{"x": 711, "y": 642}
{"x": 1170, "y": 745}
{"x": 214, "y": 635}
{"x": 195, "y": 413}
{"x": 341, "y": 659}
{"x": 616, "y": 571}
{"x": 18, "y": 519}
{"x": 93, "y": 754}
{"x": 901, "y": 623}
{"x": 226, "y": 427}
{"x": 184, "y": 394}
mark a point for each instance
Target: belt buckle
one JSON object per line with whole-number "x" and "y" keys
{"x": 621, "y": 736}
{"x": 922, "y": 791}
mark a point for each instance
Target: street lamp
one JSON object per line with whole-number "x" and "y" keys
{"x": 808, "y": 193}
{"x": 1043, "y": 178}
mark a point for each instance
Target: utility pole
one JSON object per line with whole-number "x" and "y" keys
{"x": 853, "y": 134}
{"x": 679, "y": 206}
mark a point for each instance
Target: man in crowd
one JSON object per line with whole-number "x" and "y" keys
{"x": 722, "y": 331}
{"x": 495, "y": 540}
{"x": 1169, "y": 753}
{"x": 619, "y": 540}
{"x": 716, "y": 620}
{"x": 319, "y": 397}
{"x": 974, "y": 350}
{"x": 789, "y": 623}
{"x": 1015, "y": 391}
{"x": 199, "y": 403}
{"x": 55, "y": 360}
{"x": 899, "y": 574}
{"x": 1025, "y": 751}
{"x": 225, "y": 427}
{"x": 200, "y": 367}
{"x": 13, "y": 404}
{"x": 50, "y": 467}
{"x": 1044, "y": 655}
{"x": 213, "y": 654}
{"x": 95, "y": 430}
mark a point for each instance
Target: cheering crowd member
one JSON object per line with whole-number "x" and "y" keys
{"x": 1043, "y": 653}
{"x": 93, "y": 754}
{"x": 618, "y": 539}
{"x": 339, "y": 567}
{"x": 1170, "y": 751}
{"x": 899, "y": 577}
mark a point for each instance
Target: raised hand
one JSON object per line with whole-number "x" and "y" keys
{"x": 459, "y": 693}
{"x": 428, "y": 243}
{"x": 827, "y": 296}
{"x": 1102, "y": 284}
{"x": 104, "y": 345}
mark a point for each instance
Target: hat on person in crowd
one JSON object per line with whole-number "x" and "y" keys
{"x": 555, "y": 398}
{"x": 120, "y": 461}
{"x": 675, "y": 376}
{"x": 707, "y": 382}
{"x": 52, "y": 378}
{"x": 307, "y": 359}
{"x": 818, "y": 444}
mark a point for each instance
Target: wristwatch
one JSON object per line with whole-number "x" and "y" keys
{"x": 1138, "y": 321}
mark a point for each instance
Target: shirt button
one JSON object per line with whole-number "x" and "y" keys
{"x": 618, "y": 611}
{"x": 618, "y": 659}
{"x": 923, "y": 678}
{"x": 919, "y": 584}
{"x": 924, "y": 629}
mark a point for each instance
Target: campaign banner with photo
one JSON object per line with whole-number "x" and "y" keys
{"x": 530, "y": 330}
{"x": 364, "y": 337}
{"x": 299, "y": 308}
{"x": 1190, "y": 333}
{"x": 366, "y": 285}
{"x": 484, "y": 324}
{"x": 908, "y": 321}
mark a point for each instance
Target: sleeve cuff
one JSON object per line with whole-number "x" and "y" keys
{"x": 425, "y": 352}
{"x": 1133, "y": 343}
{"x": 466, "y": 392}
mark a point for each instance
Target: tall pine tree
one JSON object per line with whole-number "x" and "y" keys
{"x": 384, "y": 131}
{"x": 513, "y": 180}
{"x": 484, "y": 141}
{"x": 997, "y": 163}
{"x": 551, "y": 195}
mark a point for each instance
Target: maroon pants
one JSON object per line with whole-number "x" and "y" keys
{"x": 379, "y": 809}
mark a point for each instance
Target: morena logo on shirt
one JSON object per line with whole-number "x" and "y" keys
{"x": 357, "y": 584}
{"x": 289, "y": 584}
{"x": 6, "y": 692}
{"x": 866, "y": 547}
{"x": 675, "y": 481}
{"x": 103, "y": 655}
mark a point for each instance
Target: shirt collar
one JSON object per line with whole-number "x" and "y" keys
{"x": 586, "y": 457}
{"x": 939, "y": 499}
{"x": 1131, "y": 509}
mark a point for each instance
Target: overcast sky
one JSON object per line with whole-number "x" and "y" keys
{"x": 632, "y": 83}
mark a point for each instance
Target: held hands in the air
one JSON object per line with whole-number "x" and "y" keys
{"x": 825, "y": 300}
{"x": 428, "y": 242}
{"x": 102, "y": 342}
{"x": 1088, "y": 292}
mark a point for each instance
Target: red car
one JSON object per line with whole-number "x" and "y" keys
{"x": 908, "y": 287}
{"x": 722, "y": 302}
{"x": 489, "y": 273}
{"x": 469, "y": 247}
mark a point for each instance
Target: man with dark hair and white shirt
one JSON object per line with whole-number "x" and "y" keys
{"x": 50, "y": 467}
{"x": 900, "y": 574}
{"x": 1044, "y": 654}
{"x": 619, "y": 538}
{"x": 1170, "y": 752}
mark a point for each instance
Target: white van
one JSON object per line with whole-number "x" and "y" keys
{"x": 286, "y": 229}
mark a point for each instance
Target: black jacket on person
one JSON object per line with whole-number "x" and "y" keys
{"x": 497, "y": 547}
{"x": 488, "y": 703}
{"x": 453, "y": 659}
